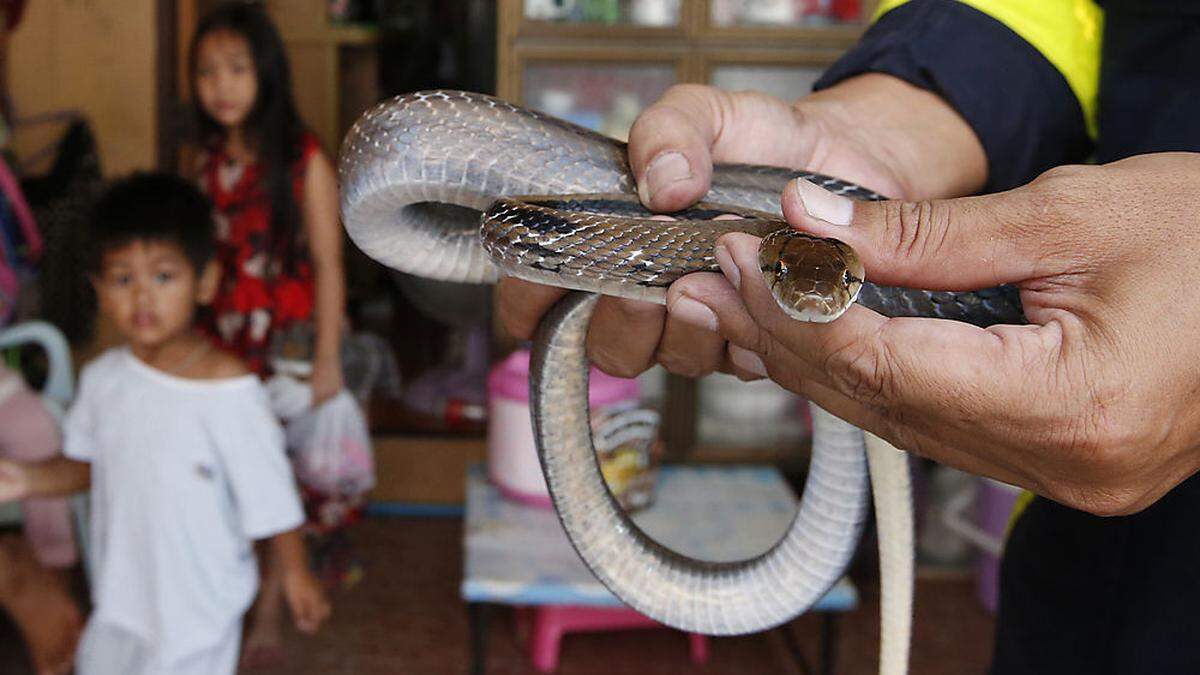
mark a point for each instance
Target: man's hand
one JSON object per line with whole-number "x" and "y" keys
{"x": 1092, "y": 404}
{"x": 874, "y": 130}
{"x": 14, "y": 481}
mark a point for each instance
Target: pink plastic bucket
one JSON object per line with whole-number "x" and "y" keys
{"x": 512, "y": 456}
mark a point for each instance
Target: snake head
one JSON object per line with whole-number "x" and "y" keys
{"x": 813, "y": 279}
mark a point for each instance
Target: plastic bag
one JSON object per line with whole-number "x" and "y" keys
{"x": 331, "y": 448}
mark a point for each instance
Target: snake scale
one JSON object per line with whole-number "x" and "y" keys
{"x": 416, "y": 172}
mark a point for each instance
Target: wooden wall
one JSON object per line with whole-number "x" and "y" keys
{"x": 335, "y": 69}
{"x": 97, "y": 56}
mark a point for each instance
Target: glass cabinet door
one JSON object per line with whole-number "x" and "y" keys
{"x": 786, "y": 81}
{"x": 604, "y": 97}
{"x": 783, "y": 13}
{"x": 656, "y": 13}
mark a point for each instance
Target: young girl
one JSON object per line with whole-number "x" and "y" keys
{"x": 275, "y": 193}
{"x": 280, "y": 245}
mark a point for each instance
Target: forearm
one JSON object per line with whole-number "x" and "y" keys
{"x": 288, "y": 549}
{"x": 58, "y": 476}
{"x": 930, "y": 148}
{"x": 330, "y": 307}
{"x": 1003, "y": 70}
{"x": 325, "y": 248}
{"x": 300, "y": 586}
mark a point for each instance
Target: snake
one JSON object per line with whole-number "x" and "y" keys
{"x": 465, "y": 187}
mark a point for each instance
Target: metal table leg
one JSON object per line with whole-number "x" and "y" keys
{"x": 829, "y": 634}
{"x": 477, "y": 619}
{"x": 827, "y": 647}
{"x": 795, "y": 650}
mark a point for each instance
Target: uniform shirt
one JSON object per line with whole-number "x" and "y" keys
{"x": 185, "y": 475}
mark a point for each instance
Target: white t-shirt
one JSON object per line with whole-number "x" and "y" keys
{"x": 185, "y": 474}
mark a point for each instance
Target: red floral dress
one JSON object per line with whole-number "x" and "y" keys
{"x": 256, "y": 296}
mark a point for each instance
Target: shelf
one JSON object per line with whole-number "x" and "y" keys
{"x": 694, "y": 25}
{"x": 834, "y": 34}
{"x": 594, "y": 31}
{"x": 348, "y": 35}
{"x": 695, "y": 46}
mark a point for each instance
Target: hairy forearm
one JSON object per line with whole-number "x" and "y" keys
{"x": 58, "y": 476}
{"x": 930, "y": 149}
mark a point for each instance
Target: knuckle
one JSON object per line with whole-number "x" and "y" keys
{"x": 1062, "y": 176}
{"x": 864, "y": 372}
{"x": 690, "y": 359}
{"x": 618, "y": 364}
{"x": 916, "y": 230}
{"x": 685, "y": 367}
{"x": 762, "y": 341}
{"x": 675, "y": 102}
{"x": 620, "y": 317}
{"x": 689, "y": 90}
{"x": 624, "y": 335}
{"x": 1059, "y": 193}
{"x": 650, "y": 118}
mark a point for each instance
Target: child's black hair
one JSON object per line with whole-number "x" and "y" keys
{"x": 273, "y": 125}
{"x": 158, "y": 207}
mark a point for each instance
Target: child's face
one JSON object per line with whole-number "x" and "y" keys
{"x": 150, "y": 291}
{"x": 225, "y": 77}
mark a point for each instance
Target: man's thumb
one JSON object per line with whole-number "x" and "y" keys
{"x": 945, "y": 244}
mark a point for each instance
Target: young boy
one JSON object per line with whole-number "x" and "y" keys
{"x": 186, "y": 459}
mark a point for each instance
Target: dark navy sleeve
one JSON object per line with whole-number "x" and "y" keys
{"x": 1019, "y": 105}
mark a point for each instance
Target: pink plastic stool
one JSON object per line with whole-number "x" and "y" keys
{"x": 546, "y": 625}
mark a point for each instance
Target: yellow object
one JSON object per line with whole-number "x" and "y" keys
{"x": 1067, "y": 32}
{"x": 1023, "y": 501}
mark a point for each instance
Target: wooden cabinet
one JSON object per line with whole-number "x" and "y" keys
{"x": 335, "y": 68}
{"x": 601, "y": 72}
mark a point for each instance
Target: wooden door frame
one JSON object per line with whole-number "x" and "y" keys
{"x": 167, "y": 78}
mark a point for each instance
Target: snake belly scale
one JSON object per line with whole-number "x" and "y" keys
{"x": 417, "y": 170}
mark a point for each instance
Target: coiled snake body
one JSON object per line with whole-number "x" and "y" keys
{"x": 415, "y": 173}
